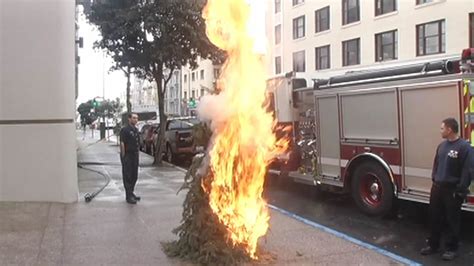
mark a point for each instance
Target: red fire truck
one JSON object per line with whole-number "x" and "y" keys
{"x": 374, "y": 133}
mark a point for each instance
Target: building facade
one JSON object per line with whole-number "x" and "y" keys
{"x": 173, "y": 94}
{"x": 143, "y": 96}
{"x": 197, "y": 83}
{"x": 320, "y": 39}
{"x": 38, "y": 159}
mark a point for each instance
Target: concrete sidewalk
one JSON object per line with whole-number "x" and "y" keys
{"x": 108, "y": 231}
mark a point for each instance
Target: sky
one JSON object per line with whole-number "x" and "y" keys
{"x": 94, "y": 75}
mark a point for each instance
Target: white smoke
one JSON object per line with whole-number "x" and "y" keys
{"x": 214, "y": 110}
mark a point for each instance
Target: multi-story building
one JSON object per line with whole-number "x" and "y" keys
{"x": 173, "y": 94}
{"x": 197, "y": 83}
{"x": 38, "y": 160}
{"x": 319, "y": 39}
{"x": 143, "y": 96}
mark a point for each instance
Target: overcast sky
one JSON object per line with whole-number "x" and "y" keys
{"x": 94, "y": 68}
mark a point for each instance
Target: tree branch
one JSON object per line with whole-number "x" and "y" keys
{"x": 168, "y": 78}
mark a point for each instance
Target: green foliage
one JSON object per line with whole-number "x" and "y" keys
{"x": 154, "y": 37}
{"x": 108, "y": 108}
{"x": 93, "y": 109}
{"x": 202, "y": 238}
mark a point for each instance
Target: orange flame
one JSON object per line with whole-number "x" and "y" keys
{"x": 244, "y": 143}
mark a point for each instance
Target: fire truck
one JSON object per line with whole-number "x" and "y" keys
{"x": 374, "y": 133}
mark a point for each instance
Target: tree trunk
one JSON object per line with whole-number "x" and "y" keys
{"x": 129, "y": 104}
{"x": 160, "y": 144}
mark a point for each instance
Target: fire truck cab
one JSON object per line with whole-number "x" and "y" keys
{"x": 375, "y": 132}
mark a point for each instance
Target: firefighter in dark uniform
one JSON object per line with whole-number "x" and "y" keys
{"x": 129, "y": 147}
{"x": 452, "y": 170}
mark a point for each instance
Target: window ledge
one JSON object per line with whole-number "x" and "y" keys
{"x": 322, "y": 32}
{"x": 324, "y": 70}
{"x": 393, "y": 13}
{"x": 385, "y": 61}
{"x": 300, "y": 39}
{"x": 351, "y": 24}
{"x": 353, "y": 65}
{"x": 435, "y": 2}
{"x": 298, "y": 5}
{"x": 422, "y": 55}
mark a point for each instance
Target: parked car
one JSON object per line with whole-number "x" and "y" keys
{"x": 143, "y": 131}
{"x": 179, "y": 138}
{"x": 149, "y": 138}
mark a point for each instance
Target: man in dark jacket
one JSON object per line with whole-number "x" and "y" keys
{"x": 451, "y": 179}
{"x": 129, "y": 145}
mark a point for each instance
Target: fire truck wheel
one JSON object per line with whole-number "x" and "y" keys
{"x": 372, "y": 189}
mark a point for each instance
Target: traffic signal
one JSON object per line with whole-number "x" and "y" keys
{"x": 192, "y": 103}
{"x": 95, "y": 103}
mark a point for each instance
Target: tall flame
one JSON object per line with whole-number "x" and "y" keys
{"x": 244, "y": 142}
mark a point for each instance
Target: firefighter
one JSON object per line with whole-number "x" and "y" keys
{"x": 129, "y": 144}
{"x": 452, "y": 168}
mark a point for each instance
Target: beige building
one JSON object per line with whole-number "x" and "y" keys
{"x": 37, "y": 101}
{"x": 323, "y": 38}
{"x": 197, "y": 83}
{"x": 173, "y": 94}
{"x": 143, "y": 96}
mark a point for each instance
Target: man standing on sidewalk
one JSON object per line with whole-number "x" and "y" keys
{"x": 129, "y": 143}
{"x": 451, "y": 179}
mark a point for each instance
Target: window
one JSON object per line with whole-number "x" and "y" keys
{"x": 299, "y": 64}
{"x": 471, "y": 30}
{"x": 323, "y": 58}
{"x": 420, "y": 2}
{"x": 174, "y": 124}
{"x": 202, "y": 92}
{"x": 277, "y": 34}
{"x": 202, "y": 74}
{"x": 386, "y": 46}
{"x": 185, "y": 95}
{"x": 321, "y": 18}
{"x": 351, "y": 52}
{"x": 193, "y": 76}
{"x": 278, "y": 65}
{"x": 217, "y": 73}
{"x": 385, "y": 6}
{"x": 185, "y": 78}
{"x": 350, "y": 11}
{"x": 430, "y": 38}
{"x": 297, "y": 2}
{"x": 298, "y": 27}
{"x": 277, "y": 6}
{"x": 193, "y": 95}
{"x": 186, "y": 124}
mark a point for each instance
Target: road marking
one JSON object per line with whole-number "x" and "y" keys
{"x": 346, "y": 237}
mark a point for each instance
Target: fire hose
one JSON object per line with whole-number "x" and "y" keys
{"x": 89, "y": 196}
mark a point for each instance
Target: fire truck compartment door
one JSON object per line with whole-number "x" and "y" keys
{"x": 284, "y": 110}
{"x": 328, "y": 120}
{"x": 370, "y": 116}
{"x": 422, "y": 110}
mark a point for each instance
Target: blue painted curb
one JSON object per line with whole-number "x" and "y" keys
{"x": 347, "y": 237}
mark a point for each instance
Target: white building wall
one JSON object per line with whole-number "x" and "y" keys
{"x": 405, "y": 19}
{"x": 201, "y": 85}
{"x": 173, "y": 95}
{"x": 37, "y": 101}
{"x": 143, "y": 96}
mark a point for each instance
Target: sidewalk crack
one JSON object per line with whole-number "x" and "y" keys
{"x": 43, "y": 234}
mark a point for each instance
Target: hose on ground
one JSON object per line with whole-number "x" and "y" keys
{"x": 89, "y": 196}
